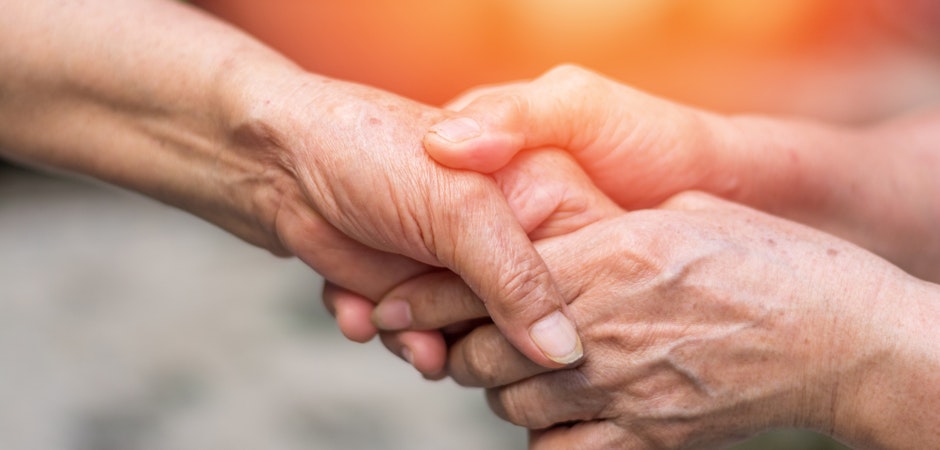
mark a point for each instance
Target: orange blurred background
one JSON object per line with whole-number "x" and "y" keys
{"x": 826, "y": 58}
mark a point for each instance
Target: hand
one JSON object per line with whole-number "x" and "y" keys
{"x": 640, "y": 150}
{"x": 353, "y": 156}
{"x": 706, "y": 321}
{"x": 549, "y": 195}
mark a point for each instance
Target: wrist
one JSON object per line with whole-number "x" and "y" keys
{"x": 821, "y": 176}
{"x": 254, "y": 174}
{"x": 283, "y": 127}
{"x": 778, "y": 170}
{"x": 874, "y": 186}
{"x": 895, "y": 404}
{"x": 215, "y": 152}
{"x": 149, "y": 96}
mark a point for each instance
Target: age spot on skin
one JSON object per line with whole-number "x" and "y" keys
{"x": 374, "y": 121}
{"x": 832, "y": 252}
{"x": 771, "y": 242}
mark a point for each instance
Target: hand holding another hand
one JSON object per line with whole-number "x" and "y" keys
{"x": 874, "y": 185}
{"x": 549, "y": 195}
{"x": 705, "y": 322}
{"x": 364, "y": 171}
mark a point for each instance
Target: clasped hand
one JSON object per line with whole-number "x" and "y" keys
{"x": 702, "y": 320}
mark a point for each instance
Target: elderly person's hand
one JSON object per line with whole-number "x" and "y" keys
{"x": 154, "y": 96}
{"x": 550, "y": 196}
{"x": 365, "y": 172}
{"x": 875, "y": 185}
{"x": 705, "y": 322}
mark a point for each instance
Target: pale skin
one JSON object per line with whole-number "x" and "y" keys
{"x": 157, "y": 97}
{"x": 873, "y": 185}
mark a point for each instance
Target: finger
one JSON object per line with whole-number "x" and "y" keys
{"x": 551, "y": 195}
{"x": 352, "y": 312}
{"x": 548, "y": 193}
{"x": 599, "y": 435}
{"x": 484, "y": 358}
{"x": 488, "y": 248}
{"x": 492, "y": 128}
{"x": 341, "y": 259}
{"x": 424, "y": 350}
{"x": 548, "y": 399}
{"x": 429, "y": 301}
{"x": 697, "y": 201}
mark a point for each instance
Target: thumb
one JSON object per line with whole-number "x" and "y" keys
{"x": 462, "y": 142}
{"x": 490, "y": 250}
{"x": 499, "y": 122}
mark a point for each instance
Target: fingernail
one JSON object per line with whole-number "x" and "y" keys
{"x": 408, "y": 355}
{"x": 392, "y": 315}
{"x": 458, "y": 130}
{"x": 556, "y": 336}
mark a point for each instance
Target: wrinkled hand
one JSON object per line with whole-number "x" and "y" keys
{"x": 549, "y": 195}
{"x": 702, "y": 322}
{"x": 352, "y": 156}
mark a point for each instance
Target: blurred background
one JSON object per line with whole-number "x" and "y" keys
{"x": 125, "y": 324}
{"x": 840, "y": 60}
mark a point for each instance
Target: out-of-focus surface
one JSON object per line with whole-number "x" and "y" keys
{"x": 843, "y": 60}
{"x": 127, "y": 325}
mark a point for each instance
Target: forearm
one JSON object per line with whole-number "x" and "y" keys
{"x": 149, "y": 95}
{"x": 875, "y": 186}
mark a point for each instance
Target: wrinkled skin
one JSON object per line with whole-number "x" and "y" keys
{"x": 548, "y": 194}
{"x": 703, "y": 322}
{"x": 365, "y": 175}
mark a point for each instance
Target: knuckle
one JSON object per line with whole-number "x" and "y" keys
{"x": 513, "y": 405}
{"x": 463, "y": 193}
{"x": 523, "y": 287}
{"x": 666, "y": 438}
{"x": 567, "y": 71}
{"x": 480, "y": 363}
{"x": 512, "y": 106}
{"x": 576, "y": 79}
{"x": 692, "y": 201}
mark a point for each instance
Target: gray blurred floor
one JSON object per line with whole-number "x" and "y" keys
{"x": 127, "y": 325}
